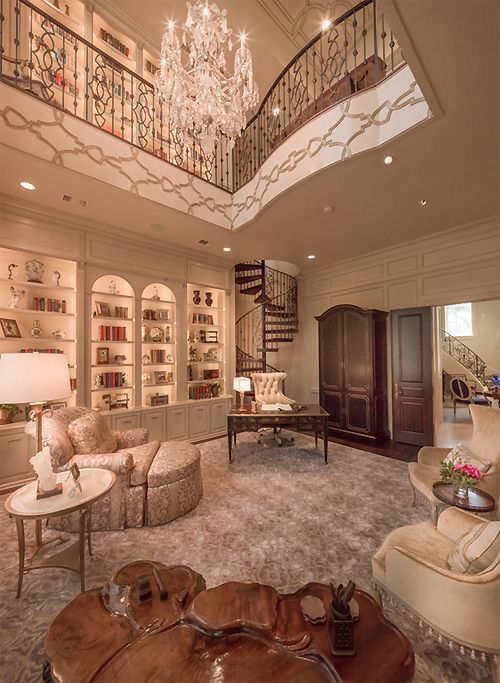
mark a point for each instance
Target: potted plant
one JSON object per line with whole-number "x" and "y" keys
{"x": 7, "y": 412}
{"x": 462, "y": 476}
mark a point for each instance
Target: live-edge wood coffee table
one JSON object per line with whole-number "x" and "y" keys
{"x": 24, "y": 506}
{"x": 234, "y": 633}
{"x": 308, "y": 418}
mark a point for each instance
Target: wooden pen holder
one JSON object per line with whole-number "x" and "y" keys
{"x": 341, "y": 634}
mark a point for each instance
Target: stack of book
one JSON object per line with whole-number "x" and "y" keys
{"x": 112, "y": 333}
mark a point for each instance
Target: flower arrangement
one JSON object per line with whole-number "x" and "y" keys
{"x": 462, "y": 476}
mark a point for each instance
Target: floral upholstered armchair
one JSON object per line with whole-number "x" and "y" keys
{"x": 80, "y": 435}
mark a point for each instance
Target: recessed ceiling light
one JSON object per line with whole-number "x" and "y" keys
{"x": 328, "y": 209}
{"x": 311, "y": 257}
{"x": 326, "y": 23}
{"x": 226, "y": 248}
{"x": 423, "y": 202}
{"x": 27, "y": 185}
{"x": 388, "y": 160}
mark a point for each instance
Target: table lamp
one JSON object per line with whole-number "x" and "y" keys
{"x": 34, "y": 378}
{"x": 242, "y": 384}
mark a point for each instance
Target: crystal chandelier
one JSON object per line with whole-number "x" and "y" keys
{"x": 204, "y": 101}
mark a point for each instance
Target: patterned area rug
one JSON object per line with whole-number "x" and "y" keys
{"x": 276, "y": 515}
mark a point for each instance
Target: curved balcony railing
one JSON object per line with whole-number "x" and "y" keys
{"x": 46, "y": 59}
{"x": 355, "y": 53}
{"x": 464, "y": 355}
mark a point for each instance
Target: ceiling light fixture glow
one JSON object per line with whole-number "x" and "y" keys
{"x": 423, "y": 202}
{"x": 388, "y": 160}
{"x": 311, "y": 257}
{"x": 325, "y": 24}
{"x": 328, "y": 209}
{"x": 203, "y": 100}
{"x": 226, "y": 248}
{"x": 27, "y": 185}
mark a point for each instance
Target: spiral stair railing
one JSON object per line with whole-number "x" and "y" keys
{"x": 464, "y": 355}
{"x": 43, "y": 57}
{"x": 269, "y": 324}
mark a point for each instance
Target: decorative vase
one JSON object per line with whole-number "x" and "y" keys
{"x": 208, "y": 298}
{"x": 460, "y": 489}
{"x": 36, "y": 330}
{"x": 196, "y": 297}
{"x": 6, "y": 416}
{"x": 34, "y": 270}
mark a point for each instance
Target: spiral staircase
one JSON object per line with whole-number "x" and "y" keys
{"x": 273, "y": 320}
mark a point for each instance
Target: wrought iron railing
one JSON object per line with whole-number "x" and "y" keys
{"x": 268, "y": 325}
{"x": 356, "y": 52}
{"x": 47, "y": 59}
{"x": 464, "y": 355}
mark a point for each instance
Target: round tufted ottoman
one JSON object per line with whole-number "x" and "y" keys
{"x": 174, "y": 482}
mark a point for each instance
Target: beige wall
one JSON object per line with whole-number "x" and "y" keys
{"x": 456, "y": 265}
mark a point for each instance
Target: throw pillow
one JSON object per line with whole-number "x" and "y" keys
{"x": 476, "y": 550}
{"x": 459, "y": 455}
{"x": 91, "y": 434}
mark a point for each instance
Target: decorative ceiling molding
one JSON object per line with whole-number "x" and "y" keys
{"x": 364, "y": 122}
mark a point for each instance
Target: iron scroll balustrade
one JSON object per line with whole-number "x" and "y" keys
{"x": 46, "y": 59}
{"x": 464, "y": 355}
{"x": 356, "y": 52}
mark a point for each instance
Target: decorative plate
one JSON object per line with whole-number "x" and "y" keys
{"x": 156, "y": 334}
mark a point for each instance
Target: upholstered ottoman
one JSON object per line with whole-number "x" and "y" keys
{"x": 174, "y": 482}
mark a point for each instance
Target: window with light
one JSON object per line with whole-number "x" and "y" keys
{"x": 458, "y": 319}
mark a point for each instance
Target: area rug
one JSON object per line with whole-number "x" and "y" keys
{"x": 275, "y": 515}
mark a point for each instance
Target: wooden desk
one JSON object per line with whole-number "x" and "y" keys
{"x": 311, "y": 418}
{"x": 234, "y": 633}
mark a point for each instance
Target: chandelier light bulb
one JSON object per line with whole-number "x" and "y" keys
{"x": 202, "y": 100}
{"x": 326, "y": 23}
{"x": 276, "y": 111}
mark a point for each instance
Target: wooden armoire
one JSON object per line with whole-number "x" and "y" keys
{"x": 353, "y": 371}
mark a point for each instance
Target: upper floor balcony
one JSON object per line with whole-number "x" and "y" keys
{"x": 106, "y": 83}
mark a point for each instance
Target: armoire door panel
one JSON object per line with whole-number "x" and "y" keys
{"x": 357, "y": 413}
{"x": 333, "y": 404}
{"x": 331, "y": 337}
{"x": 358, "y": 366}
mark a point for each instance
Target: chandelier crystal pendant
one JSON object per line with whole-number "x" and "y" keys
{"x": 204, "y": 101}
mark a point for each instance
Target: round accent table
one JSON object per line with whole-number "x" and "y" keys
{"x": 476, "y": 501}
{"x": 24, "y": 506}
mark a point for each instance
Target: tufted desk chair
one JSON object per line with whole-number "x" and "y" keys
{"x": 268, "y": 388}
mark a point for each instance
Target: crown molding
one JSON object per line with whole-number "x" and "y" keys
{"x": 36, "y": 212}
{"x": 124, "y": 19}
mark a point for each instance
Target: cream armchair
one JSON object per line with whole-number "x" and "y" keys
{"x": 484, "y": 446}
{"x": 268, "y": 388}
{"x": 130, "y": 458}
{"x": 411, "y": 566}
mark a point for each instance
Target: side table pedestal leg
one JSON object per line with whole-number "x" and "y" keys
{"x": 21, "y": 549}
{"x": 81, "y": 543}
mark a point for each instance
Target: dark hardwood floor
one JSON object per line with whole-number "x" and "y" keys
{"x": 389, "y": 448}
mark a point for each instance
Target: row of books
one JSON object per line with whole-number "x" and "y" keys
{"x": 111, "y": 379}
{"x": 40, "y": 303}
{"x": 40, "y": 351}
{"x": 112, "y": 333}
{"x": 121, "y": 311}
{"x": 158, "y": 355}
{"x": 202, "y": 319}
{"x": 199, "y": 391}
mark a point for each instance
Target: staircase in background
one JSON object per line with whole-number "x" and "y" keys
{"x": 465, "y": 356}
{"x": 271, "y": 322}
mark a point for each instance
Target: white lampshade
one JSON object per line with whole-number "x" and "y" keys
{"x": 33, "y": 377}
{"x": 242, "y": 384}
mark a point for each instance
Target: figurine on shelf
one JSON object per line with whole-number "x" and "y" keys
{"x": 15, "y": 297}
{"x": 98, "y": 383}
{"x": 120, "y": 358}
{"x": 36, "y": 330}
{"x": 195, "y": 338}
{"x": 196, "y": 297}
{"x": 146, "y": 360}
{"x": 57, "y": 278}
{"x": 59, "y": 334}
{"x": 12, "y": 268}
{"x": 112, "y": 287}
{"x": 215, "y": 388}
{"x": 190, "y": 373}
{"x": 35, "y": 270}
{"x": 156, "y": 296}
{"x": 208, "y": 298}
{"x": 167, "y": 334}
{"x": 192, "y": 354}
